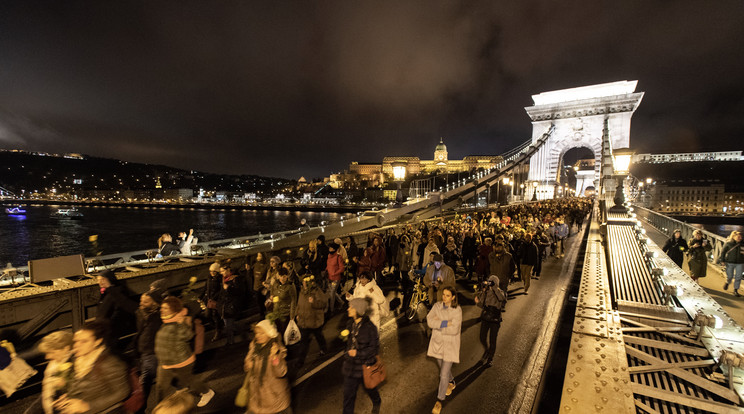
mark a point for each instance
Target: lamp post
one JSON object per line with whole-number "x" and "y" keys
{"x": 534, "y": 192}
{"x": 506, "y": 182}
{"x": 399, "y": 175}
{"x": 521, "y": 191}
{"x": 621, "y": 164}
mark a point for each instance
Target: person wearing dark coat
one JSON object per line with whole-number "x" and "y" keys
{"x": 211, "y": 298}
{"x": 528, "y": 256}
{"x": 166, "y": 247}
{"x": 377, "y": 259}
{"x": 230, "y": 301}
{"x": 469, "y": 253}
{"x": 362, "y": 347}
{"x": 148, "y": 324}
{"x": 115, "y": 306}
{"x": 698, "y": 255}
{"x": 542, "y": 242}
{"x": 675, "y": 247}
{"x": 492, "y": 300}
{"x": 502, "y": 266}
{"x": 311, "y": 306}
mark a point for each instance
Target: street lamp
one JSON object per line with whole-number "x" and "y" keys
{"x": 399, "y": 175}
{"x": 534, "y": 192}
{"x": 621, "y": 164}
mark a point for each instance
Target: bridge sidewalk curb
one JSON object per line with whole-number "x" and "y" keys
{"x": 528, "y": 386}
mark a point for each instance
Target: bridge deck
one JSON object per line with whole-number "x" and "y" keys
{"x": 648, "y": 333}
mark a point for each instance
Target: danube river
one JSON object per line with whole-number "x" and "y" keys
{"x": 121, "y": 229}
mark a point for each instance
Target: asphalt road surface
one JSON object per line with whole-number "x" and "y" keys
{"x": 412, "y": 376}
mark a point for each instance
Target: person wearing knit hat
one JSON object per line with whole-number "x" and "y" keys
{"x": 214, "y": 267}
{"x": 341, "y": 249}
{"x": 360, "y": 305}
{"x": 210, "y": 299}
{"x": 362, "y": 347}
{"x": 266, "y": 371}
{"x": 148, "y": 324}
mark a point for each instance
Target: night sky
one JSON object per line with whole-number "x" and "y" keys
{"x": 302, "y": 88}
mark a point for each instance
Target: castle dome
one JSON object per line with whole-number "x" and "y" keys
{"x": 440, "y": 146}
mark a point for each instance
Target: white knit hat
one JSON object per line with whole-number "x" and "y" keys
{"x": 268, "y": 327}
{"x": 214, "y": 267}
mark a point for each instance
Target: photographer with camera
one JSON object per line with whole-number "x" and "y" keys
{"x": 492, "y": 300}
{"x": 696, "y": 256}
{"x": 437, "y": 277}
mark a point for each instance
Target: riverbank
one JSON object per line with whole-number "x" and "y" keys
{"x": 320, "y": 208}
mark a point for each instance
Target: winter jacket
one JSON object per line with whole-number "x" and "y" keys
{"x": 561, "y": 231}
{"x": 502, "y": 265}
{"x": 230, "y": 301}
{"x": 334, "y": 267}
{"x": 732, "y": 252}
{"x": 372, "y": 291}
{"x": 286, "y": 307}
{"x": 212, "y": 288}
{"x": 450, "y": 256}
{"x": 173, "y": 343}
{"x": 313, "y": 262}
{"x": 311, "y": 315}
{"x": 698, "y": 260}
{"x": 148, "y": 324}
{"x": 445, "y": 273}
{"x": 104, "y": 387}
{"x": 528, "y": 254}
{"x": 482, "y": 265}
{"x": 168, "y": 249}
{"x": 675, "y": 249}
{"x": 445, "y": 341}
{"x": 377, "y": 258}
{"x": 492, "y": 301}
{"x": 259, "y": 275}
{"x": 271, "y": 394}
{"x": 367, "y": 346}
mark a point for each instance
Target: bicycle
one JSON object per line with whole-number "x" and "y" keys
{"x": 420, "y": 296}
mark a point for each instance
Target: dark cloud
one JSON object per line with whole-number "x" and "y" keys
{"x": 303, "y": 88}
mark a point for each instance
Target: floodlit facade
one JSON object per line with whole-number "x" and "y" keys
{"x": 688, "y": 157}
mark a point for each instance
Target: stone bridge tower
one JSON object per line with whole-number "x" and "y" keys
{"x": 579, "y": 116}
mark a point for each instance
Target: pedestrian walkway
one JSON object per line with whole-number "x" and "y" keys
{"x": 712, "y": 283}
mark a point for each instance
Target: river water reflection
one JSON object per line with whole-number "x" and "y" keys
{"x": 122, "y": 228}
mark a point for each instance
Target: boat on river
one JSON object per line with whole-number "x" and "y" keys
{"x": 68, "y": 213}
{"x": 15, "y": 211}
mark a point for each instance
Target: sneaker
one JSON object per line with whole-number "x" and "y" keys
{"x": 725, "y": 286}
{"x": 450, "y": 387}
{"x": 437, "y": 408}
{"x": 736, "y": 293}
{"x": 205, "y": 398}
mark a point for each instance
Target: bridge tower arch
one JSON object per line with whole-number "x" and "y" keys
{"x": 579, "y": 116}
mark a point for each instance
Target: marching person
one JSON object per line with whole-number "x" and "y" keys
{"x": 148, "y": 325}
{"x": 438, "y": 276}
{"x": 362, "y": 347}
{"x": 366, "y": 287}
{"x": 311, "y": 305}
{"x": 528, "y": 257}
{"x": 732, "y": 256}
{"x": 99, "y": 379}
{"x": 211, "y": 298}
{"x": 492, "y": 300}
{"x": 174, "y": 353}
{"x": 502, "y": 265}
{"x": 284, "y": 297}
{"x": 675, "y": 247}
{"x": 266, "y": 370}
{"x": 445, "y": 319}
{"x": 698, "y": 255}
{"x": 57, "y": 349}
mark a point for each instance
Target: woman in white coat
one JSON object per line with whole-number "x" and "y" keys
{"x": 445, "y": 320}
{"x": 367, "y": 287}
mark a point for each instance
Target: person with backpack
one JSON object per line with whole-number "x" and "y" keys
{"x": 174, "y": 353}
{"x": 492, "y": 300}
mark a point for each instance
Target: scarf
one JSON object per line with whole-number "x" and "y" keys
{"x": 84, "y": 364}
{"x": 261, "y": 355}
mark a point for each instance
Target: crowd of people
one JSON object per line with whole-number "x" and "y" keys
{"x": 299, "y": 296}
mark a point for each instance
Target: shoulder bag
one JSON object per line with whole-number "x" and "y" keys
{"x": 374, "y": 374}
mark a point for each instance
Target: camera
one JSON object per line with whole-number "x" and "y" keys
{"x": 488, "y": 283}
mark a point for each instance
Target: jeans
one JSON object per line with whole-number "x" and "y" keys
{"x": 488, "y": 333}
{"x": 184, "y": 375}
{"x": 445, "y": 377}
{"x": 733, "y": 271}
{"x": 148, "y": 372}
{"x": 351, "y": 385}
{"x": 333, "y": 296}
